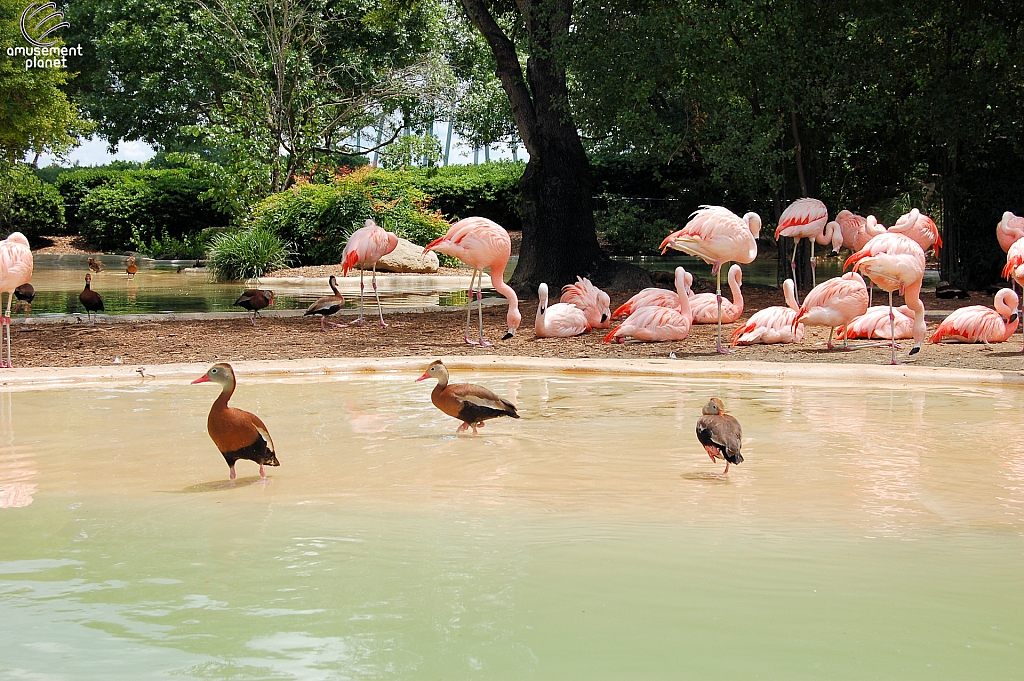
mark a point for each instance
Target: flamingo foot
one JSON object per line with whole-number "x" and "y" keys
{"x": 470, "y": 340}
{"x": 486, "y": 343}
{"x": 723, "y": 350}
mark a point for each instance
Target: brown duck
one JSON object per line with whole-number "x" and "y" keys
{"x": 255, "y": 300}
{"x": 131, "y": 268}
{"x": 471, "y": 404}
{"x": 720, "y": 433}
{"x": 25, "y": 293}
{"x": 327, "y": 305}
{"x": 238, "y": 434}
{"x": 90, "y": 300}
{"x": 95, "y": 265}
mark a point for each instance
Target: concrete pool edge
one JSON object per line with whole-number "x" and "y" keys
{"x": 842, "y": 374}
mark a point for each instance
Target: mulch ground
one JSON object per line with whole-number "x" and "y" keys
{"x": 439, "y": 333}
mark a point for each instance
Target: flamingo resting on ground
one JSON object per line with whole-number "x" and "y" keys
{"x": 1014, "y": 269}
{"x": 834, "y": 302}
{"x": 921, "y": 229}
{"x": 482, "y": 243}
{"x": 654, "y": 323}
{"x": 980, "y": 324}
{"x": 717, "y": 235}
{"x": 471, "y": 404}
{"x": 772, "y": 324}
{"x": 704, "y": 305}
{"x": 808, "y": 219}
{"x": 254, "y": 300}
{"x": 895, "y": 262}
{"x": 720, "y": 433}
{"x": 594, "y": 302}
{"x": 90, "y": 300}
{"x": 875, "y": 324}
{"x": 1009, "y": 230}
{"x": 327, "y": 305}
{"x": 561, "y": 320}
{"x": 15, "y": 270}
{"x": 657, "y": 297}
{"x": 238, "y": 434}
{"x": 365, "y": 247}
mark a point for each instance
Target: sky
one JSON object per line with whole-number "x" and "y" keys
{"x": 94, "y": 152}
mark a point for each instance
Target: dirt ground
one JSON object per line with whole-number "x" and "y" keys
{"x": 438, "y": 333}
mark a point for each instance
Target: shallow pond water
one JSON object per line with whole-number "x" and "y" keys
{"x": 872, "y": 532}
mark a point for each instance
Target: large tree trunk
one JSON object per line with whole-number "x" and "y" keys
{"x": 559, "y": 238}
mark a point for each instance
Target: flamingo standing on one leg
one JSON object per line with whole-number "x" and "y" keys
{"x": 594, "y": 302}
{"x": 703, "y": 305}
{"x": 366, "y": 246}
{"x": 657, "y": 297}
{"x": 15, "y": 270}
{"x": 717, "y": 235}
{"x": 875, "y": 324}
{"x": 894, "y": 261}
{"x": 921, "y": 229}
{"x": 808, "y": 219}
{"x": 482, "y": 243}
{"x": 980, "y": 324}
{"x": 561, "y": 320}
{"x": 834, "y": 302}
{"x": 654, "y": 323}
{"x": 772, "y": 324}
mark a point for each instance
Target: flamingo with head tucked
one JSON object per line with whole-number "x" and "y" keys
{"x": 654, "y": 323}
{"x": 654, "y": 296}
{"x": 15, "y": 270}
{"x": 895, "y": 262}
{"x": 482, "y": 243}
{"x": 594, "y": 302}
{"x": 704, "y": 305}
{"x": 921, "y": 229}
{"x": 980, "y": 324}
{"x": 366, "y": 246}
{"x": 772, "y": 324}
{"x": 808, "y": 219}
{"x": 561, "y": 320}
{"x": 717, "y": 236}
{"x": 875, "y": 324}
{"x": 834, "y": 302}
{"x": 1009, "y": 230}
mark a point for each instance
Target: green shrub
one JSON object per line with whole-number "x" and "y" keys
{"x": 75, "y": 185}
{"x": 319, "y": 218}
{"x": 121, "y": 210}
{"x": 247, "y": 253}
{"x": 630, "y": 228}
{"x": 27, "y": 205}
{"x": 188, "y": 247}
{"x": 490, "y": 190}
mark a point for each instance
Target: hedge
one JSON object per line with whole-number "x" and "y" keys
{"x": 27, "y": 205}
{"x": 490, "y": 190}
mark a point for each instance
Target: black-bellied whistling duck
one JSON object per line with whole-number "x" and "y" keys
{"x": 720, "y": 433}
{"x": 95, "y": 265}
{"x": 25, "y": 293}
{"x": 327, "y": 305}
{"x": 90, "y": 300}
{"x": 131, "y": 267}
{"x": 255, "y": 300}
{"x": 471, "y": 404}
{"x": 238, "y": 434}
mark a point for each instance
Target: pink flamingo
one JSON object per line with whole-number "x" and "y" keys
{"x": 894, "y": 261}
{"x": 717, "y": 235}
{"x": 874, "y": 324}
{"x": 920, "y": 228}
{"x": 1009, "y": 230}
{"x": 858, "y": 230}
{"x": 366, "y": 246}
{"x": 808, "y": 219}
{"x": 594, "y": 302}
{"x": 658, "y": 323}
{"x": 1014, "y": 269}
{"x": 15, "y": 270}
{"x": 482, "y": 243}
{"x": 772, "y": 324}
{"x": 658, "y": 297}
{"x": 834, "y": 302}
{"x": 980, "y": 324}
{"x": 560, "y": 320}
{"x": 703, "y": 304}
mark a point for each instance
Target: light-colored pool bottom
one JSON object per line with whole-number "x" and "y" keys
{"x": 874, "y": 531}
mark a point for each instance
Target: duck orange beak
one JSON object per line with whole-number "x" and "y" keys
{"x": 201, "y": 379}
{"x": 425, "y": 375}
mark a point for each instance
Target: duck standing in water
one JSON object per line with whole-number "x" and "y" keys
{"x": 471, "y": 404}
{"x": 255, "y": 300}
{"x": 95, "y": 265}
{"x": 90, "y": 300}
{"x": 720, "y": 433}
{"x": 131, "y": 268}
{"x": 238, "y": 434}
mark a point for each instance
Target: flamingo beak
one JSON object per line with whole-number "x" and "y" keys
{"x": 1013, "y": 318}
{"x": 425, "y": 376}
{"x": 201, "y": 379}
{"x": 511, "y": 332}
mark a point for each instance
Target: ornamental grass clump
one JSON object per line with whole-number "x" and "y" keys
{"x": 247, "y": 254}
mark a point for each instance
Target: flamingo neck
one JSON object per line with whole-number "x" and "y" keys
{"x": 737, "y": 293}
{"x": 514, "y": 318}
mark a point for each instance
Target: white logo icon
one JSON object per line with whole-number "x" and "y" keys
{"x": 29, "y": 15}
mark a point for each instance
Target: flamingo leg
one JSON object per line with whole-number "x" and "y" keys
{"x": 360, "y": 322}
{"x": 814, "y": 266}
{"x": 469, "y": 306}
{"x": 831, "y": 330}
{"x": 718, "y": 342}
{"x": 5, "y": 330}
{"x": 480, "y": 313}
{"x": 379, "y": 310}
{"x": 892, "y": 329}
{"x": 792, "y": 262}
